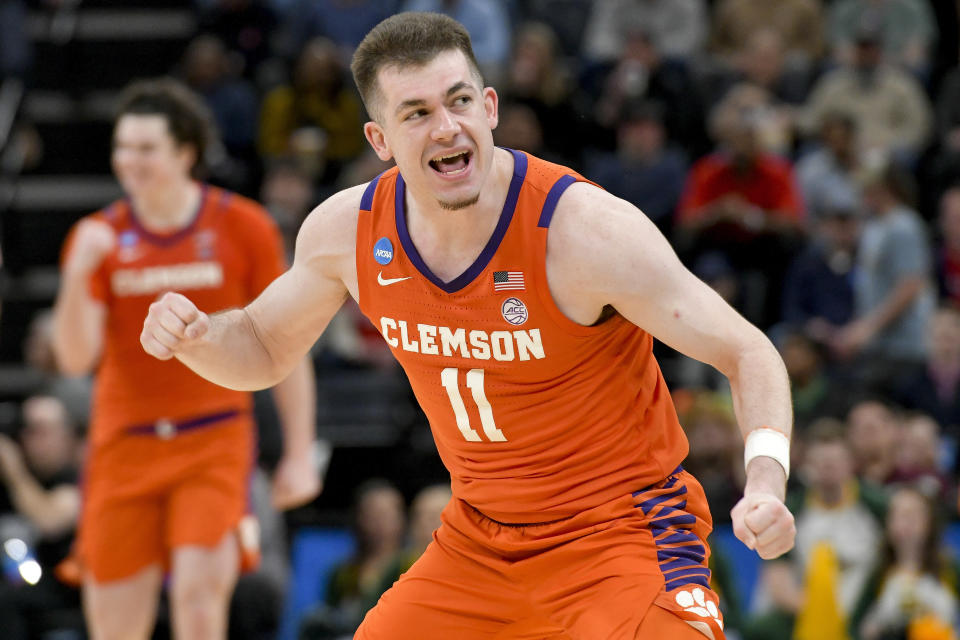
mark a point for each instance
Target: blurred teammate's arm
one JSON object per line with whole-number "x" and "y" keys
{"x": 297, "y": 480}
{"x": 622, "y": 260}
{"x": 52, "y": 511}
{"x": 79, "y": 318}
{"x": 258, "y": 346}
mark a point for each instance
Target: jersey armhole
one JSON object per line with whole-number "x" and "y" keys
{"x": 540, "y": 248}
{"x": 364, "y": 227}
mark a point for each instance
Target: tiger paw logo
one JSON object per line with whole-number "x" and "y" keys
{"x": 696, "y": 603}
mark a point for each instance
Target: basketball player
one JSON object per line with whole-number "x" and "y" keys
{"x": 166, "y": 477}
{"x": 521, "y": 300}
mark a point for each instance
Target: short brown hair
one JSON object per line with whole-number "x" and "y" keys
{"x": 408, "y": 39}
{"x": 188, "y": 118}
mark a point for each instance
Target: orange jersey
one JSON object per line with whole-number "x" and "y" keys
{"x": 536, "y": 417}
{"x": 227, "y": 255}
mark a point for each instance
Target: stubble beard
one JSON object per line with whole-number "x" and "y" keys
{"x": 457, "y": 205}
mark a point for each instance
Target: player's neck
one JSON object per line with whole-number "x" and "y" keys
{"x": 449, "y": 241}
{"x": 168, "y": 209}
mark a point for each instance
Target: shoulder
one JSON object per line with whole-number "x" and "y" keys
{"x": 332, "y": 225}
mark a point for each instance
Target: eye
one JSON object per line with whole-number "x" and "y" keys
{"x": 414, "y": 115}
{"x": 462, "y": 101}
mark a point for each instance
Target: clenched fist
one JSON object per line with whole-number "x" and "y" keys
{"x": 92, "y": 242}
{"x": 172, "y": 323}
{"x": 763, "y": 523}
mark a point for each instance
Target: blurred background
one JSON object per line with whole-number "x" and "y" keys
{"x": 803, "y": 157}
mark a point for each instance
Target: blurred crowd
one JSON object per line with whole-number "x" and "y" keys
{"x": 803, "y": 156}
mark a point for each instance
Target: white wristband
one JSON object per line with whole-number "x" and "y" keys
{"x": 768, "y": 442}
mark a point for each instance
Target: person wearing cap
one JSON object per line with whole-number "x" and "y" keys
{"x": 907, "y": 27}
{"x": 892, "y": 112}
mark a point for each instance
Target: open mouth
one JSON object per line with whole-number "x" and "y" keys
{"x": 452, "y": 164}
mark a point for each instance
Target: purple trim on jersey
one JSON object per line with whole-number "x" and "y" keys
{"x": 474, "y": 270}
{"x": 173, "y": 238}
{"x": 553, "y": 196}
{"x": 111, "y": 212}
{"x": 366, "y": 202}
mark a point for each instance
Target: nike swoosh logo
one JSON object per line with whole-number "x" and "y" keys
{"x": 386, "y": 281}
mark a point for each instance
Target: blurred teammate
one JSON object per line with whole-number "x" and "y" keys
{"x": 513, "y": 293}
{"x": 166, "y": 479}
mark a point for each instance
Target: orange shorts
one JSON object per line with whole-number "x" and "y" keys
{"x": 594, "y": 576}
{"x": 150, "y": 491}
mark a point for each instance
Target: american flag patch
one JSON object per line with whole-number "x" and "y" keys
{"x": 508, "y": 281}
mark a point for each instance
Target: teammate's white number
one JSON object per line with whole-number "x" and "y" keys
{"x": 449, "y": 378}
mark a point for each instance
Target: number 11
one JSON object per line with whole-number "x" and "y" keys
{"x": 449, "y": 378}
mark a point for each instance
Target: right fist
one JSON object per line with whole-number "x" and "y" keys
{"x": 92, "y": 242}
{"x": 172, "y": 324}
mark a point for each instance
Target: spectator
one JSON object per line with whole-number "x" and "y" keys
{"x": 73, "y": 391}
{"x": 677, "y": 28}
{"x": 244, "y": 26}
{"x": 809, "y": 592}
{"x": 873, "y": 431}
{"x": 893, "y": 294}
{"x": 288, "y": 194}
{"x": 818, "y": 288}
{"x": 911, "y": 593}
{"x": 642, "y": 72}
{"x": 744, "y": 202}
{"x": 829, "y": 171}
{"x": 538, "y": 79}
{"x": 948, "y": 257}
{"x": 209, "y": 70}
{"x": 815, "y": 395}
{"x": 345, "y": 22}
{"x": 40, "y": 478}
{"x": 488, "y": 24}
{"x": 425, "y": 516}
{"x": 257, "y": 601}
{"x": 799, "y": 23}
{"x": 644, "y": 170}
{"x": 762, "y": 60}
{"x": 918, "y": 458}
{"x": 709, "y": 422}
{"x": 892, "y": 112}
{"x": 356, "y": 584}
{"x": 934, "y": 387}
{"x": 317, "y": 117}
{"x": 908, "y": 28}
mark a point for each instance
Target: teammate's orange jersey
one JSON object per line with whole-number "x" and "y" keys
{"x": 224, "y": 258}
{"x": 535, "y": 416}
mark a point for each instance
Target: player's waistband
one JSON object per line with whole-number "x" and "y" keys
{"x": 635, "y": 494}
{"x": 166, "y": 429}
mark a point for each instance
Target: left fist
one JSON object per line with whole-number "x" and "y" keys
{"x": 763, "y": 523}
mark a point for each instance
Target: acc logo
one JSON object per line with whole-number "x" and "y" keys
{"x": 514, "y": 311}
{"x": 383, "y": 251}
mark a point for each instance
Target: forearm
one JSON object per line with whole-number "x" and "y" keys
{"x": 232, "y": 354}
{"x": 77, "y": 325}
{"x": 51, "y": 512}
{"x": 761, "y": 398}
{"x": 296, "y": 401}
{"x": 895, "y": 303}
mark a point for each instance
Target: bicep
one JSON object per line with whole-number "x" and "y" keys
{"x": 629, "y": 265}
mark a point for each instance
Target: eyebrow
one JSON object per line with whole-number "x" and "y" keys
{"x": 419, "y": 102}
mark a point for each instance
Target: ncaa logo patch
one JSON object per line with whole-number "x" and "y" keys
{"x": 383, "y": 251}
{"x": 514, "y": 311}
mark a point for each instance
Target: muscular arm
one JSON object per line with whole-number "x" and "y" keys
{"x": 260, "y": 345}
{"x": 623, "y": 261}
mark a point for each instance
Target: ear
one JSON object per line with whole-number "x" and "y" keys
{"x": 188, "y": 156}
{"x": 378, "y": 140}
{"x": 491, "y": 104}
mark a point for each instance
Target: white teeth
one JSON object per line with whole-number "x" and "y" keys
{"x": 454, "y": 172}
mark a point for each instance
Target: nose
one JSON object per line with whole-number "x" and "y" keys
{"x": 446, "y": 125}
